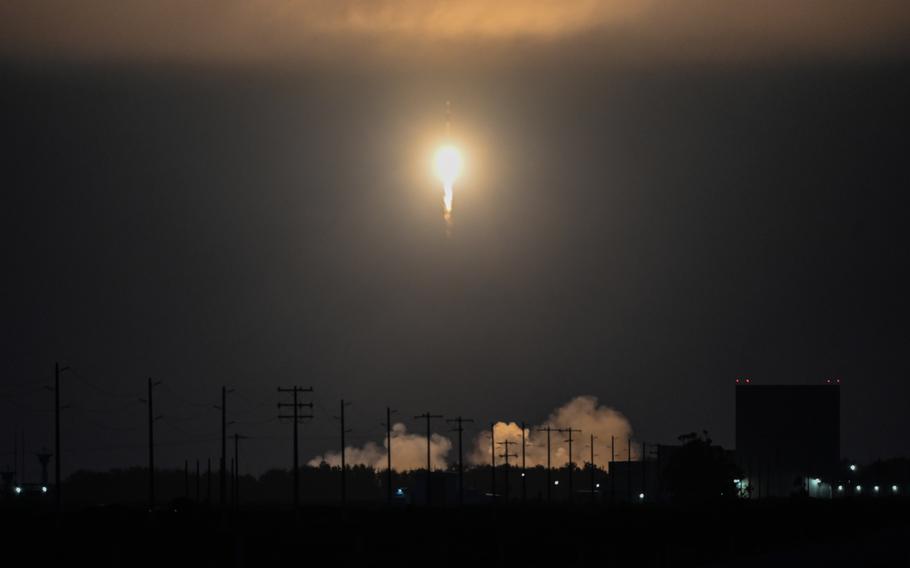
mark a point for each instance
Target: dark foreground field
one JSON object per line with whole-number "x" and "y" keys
{"x": 805, "y": 533}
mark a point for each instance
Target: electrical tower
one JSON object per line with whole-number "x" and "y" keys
{"x": 58, "y": 486}
{"x": 460, "y": 429}
{"x": 151, "y": 420}
{"x": 222, "y": 474}
{"x": 236, "y": 494}
{"x": 569, "y": 440}
{"x": 344, "y": 474}
{"x": 295, "y": 418}
{"x": 428, "y": 417}
{"x": 593, "y": 470}
{"x": 548, "y": 429}
{"x": 506, "y": 455}
{"x": 388, "y": 451}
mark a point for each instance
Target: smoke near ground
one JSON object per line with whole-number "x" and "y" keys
{"x": 581, "y": 413}
{"x": 409, "y": 451}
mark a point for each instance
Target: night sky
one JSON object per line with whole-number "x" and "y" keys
{"x": 643, "y": 225}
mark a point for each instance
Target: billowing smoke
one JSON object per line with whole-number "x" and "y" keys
{"x": 580, "y": 413}
{"x": 409, "y": 451}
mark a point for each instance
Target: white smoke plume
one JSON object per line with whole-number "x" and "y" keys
{"x": 409, "y": 451}
{"x": 580, "y": 413}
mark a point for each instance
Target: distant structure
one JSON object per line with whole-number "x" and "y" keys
{"x": 787, "y": 437}
{"x": 44, "y": 458}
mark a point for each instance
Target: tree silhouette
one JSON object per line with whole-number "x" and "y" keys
{"x": 699, "y": 471}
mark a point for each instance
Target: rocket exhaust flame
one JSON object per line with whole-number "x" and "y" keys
{"x": 448, "y": 163}
{"x": 447, "y": 202}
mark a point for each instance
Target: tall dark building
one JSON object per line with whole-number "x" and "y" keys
{"x": 787, "y": 436}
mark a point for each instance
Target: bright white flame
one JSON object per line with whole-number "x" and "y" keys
{"x": 448, "y": 164}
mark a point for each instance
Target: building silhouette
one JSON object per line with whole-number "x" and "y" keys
{"x": 787, "y": 437}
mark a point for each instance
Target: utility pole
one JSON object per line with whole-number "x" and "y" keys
{"x": 493, "y": 461}
{"x": 222, "y": 474}
{"x": 593, "y": 499}
{"x": 629, "y": 467}
{"x": 295, "y": 417}
{"x": 644, "y": 465}
{"x": 548, "y": 429}
{"x": 21, "y": 473}
{"x": 460, "y": 429}
{"x": 506, "y": 455}
{"x": 58, "y": 486}
{"x": 570, "y": 431}
{"x": 344, "y": 477}
{"x": 236, "y": 496}
{"x": 388, "y": 452}
{"x": 524, "y": 481}
{"x": 151, "y": 419}
{"x": 611, "y": 470}
{"x": 428, "y": 417}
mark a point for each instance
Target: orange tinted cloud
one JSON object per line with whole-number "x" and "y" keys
{"x": 230, "y": 30}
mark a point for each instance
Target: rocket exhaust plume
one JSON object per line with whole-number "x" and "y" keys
{"x": 409, "y": 452}
{"x": 582, "y": 412}
{"x": 448, "y": 163}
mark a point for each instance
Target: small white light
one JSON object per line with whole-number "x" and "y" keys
{"x": 859, "y": 488}
{"x": 556, "y": 482}
{"x": 597, "y": 485}
{"x": 817, "y": 480}
{"x": 641, "y": 495}
{"x": 840, "y": 487}
{"x": 44, "y": 488}
{"x": 522, "y": 474}
{"x": 894, "y": 489}
{"x": 736, "y": 480}
{"x": 852, "y": 467}
{"x": 18, "y": 490}
{"x": 875, "y": 489}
